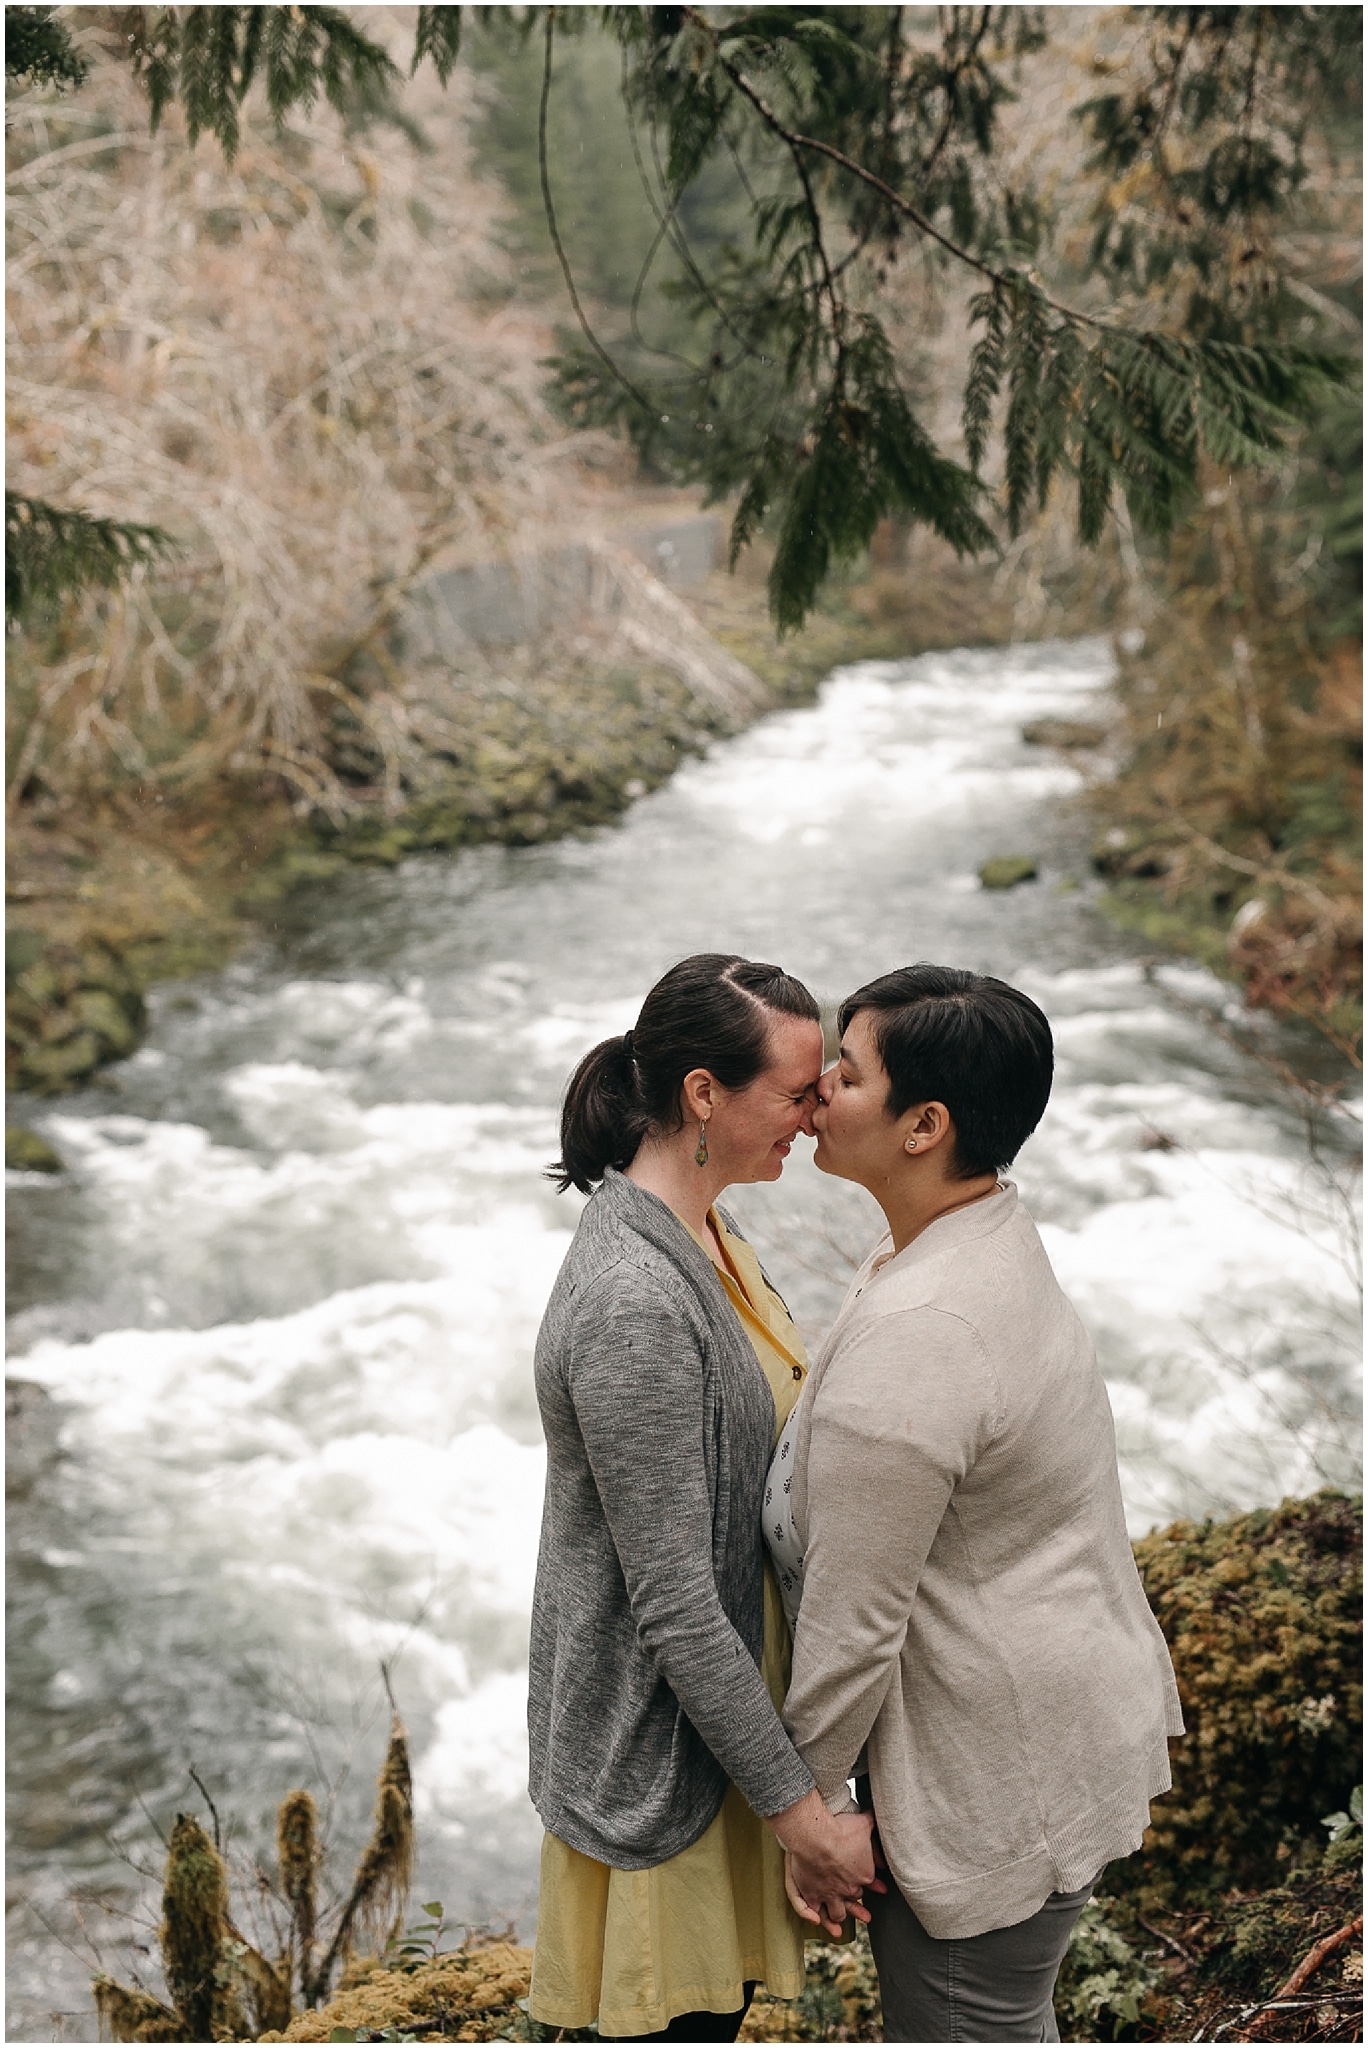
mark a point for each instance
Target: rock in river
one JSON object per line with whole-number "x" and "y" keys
{"x": 1005, "y": 870}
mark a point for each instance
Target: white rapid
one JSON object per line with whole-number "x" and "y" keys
{"x": 286, "y": 1297}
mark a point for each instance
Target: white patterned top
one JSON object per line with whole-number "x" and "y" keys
{"x": 780, "y": 1534}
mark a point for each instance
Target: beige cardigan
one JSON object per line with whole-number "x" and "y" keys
{"x": 971, "y": 1610}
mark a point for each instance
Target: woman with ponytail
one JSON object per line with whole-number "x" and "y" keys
{"x": 666, "y": 1367}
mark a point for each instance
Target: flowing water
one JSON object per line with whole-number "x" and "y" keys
{"x": 284, "y": 1302}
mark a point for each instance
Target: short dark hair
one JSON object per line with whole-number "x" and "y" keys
{"x": 713, "y": 1010}
{"x": 975, "y": 1044}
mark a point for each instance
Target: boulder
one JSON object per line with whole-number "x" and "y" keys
{"x": 26, "y": 1152}
{"x": 1005, "y": 870}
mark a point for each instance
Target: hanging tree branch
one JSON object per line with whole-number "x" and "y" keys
{"x": 549, "y": 205}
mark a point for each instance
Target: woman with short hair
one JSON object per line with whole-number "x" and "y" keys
{"x": 973, "y": 1644}
{"x": 665, "y": 1366}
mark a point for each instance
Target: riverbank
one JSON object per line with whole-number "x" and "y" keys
{"x": 1229, "y": 817}
{"x": 1226, "y": 820}
{"x": 123, "y": 888}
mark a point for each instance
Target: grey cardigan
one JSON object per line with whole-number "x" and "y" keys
{"x": 645, "y": 1695}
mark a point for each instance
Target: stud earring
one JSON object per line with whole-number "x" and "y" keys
{"x": 701, "y": 1155}
{"x": 911, "y": 1145}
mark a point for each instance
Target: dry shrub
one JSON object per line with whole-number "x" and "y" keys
{"x": 298, "y": 367}
{"x": 1233, "y": 822}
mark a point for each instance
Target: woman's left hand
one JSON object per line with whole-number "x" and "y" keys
{"x": 830, "y": 1914}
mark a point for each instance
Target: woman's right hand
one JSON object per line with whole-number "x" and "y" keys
{"x": 829, "y": 1861}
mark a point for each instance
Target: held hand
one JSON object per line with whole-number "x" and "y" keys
{"x": 829, "y": 1917}
{"x": 830, "y": 1860}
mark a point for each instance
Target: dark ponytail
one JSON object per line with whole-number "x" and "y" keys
{"x": 713, "y": 1010}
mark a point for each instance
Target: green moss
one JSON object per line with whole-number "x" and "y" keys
{"x": 133, "y": 2015}
{"x": 23, "y": 949}
{"x": 99, "y": 1011}
{"x": 69, "y": 1011}
{"x": 1263, "y": 1617}
{"x": 1005, "y": 870}
{"x": 1187, "y": 925}
{"x": 195, "y": 1934}
{"x": 26, "y": 1152}
{"x": 297, "y": 1853}
{"x": 49, "y": 1069}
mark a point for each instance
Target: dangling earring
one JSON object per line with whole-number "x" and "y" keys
{"x": 701, "y": 1155}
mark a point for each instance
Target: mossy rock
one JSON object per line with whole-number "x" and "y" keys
{"x": 69, "y": 1010}
{"x": 386, "y": 850}
{"x": 1066, "y": 733}
{"x": 1005, "y": 870}
{"x": 48, "y": 1069}
{"x": 97, "y": 1010}
{"x": 26, "y": 1152}
{"x": 1263, "y": 1618}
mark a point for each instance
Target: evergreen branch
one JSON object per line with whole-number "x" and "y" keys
{"x": 985, "y": 372}
{"x": 207, "y": 57}
{"x": 950, "y": 87}
{"x": 39, "y": 51}
{"x": 51, "y": 553}
{"x": 669, "y": 221}
{"x": 794, "y": 141}
{"x": 438, "y": 37}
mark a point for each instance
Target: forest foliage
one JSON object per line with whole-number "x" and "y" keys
{"x": 867, "y": 142}
{"x": 852, "y": 132}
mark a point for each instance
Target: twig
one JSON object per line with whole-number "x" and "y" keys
{"x": 548, "y": 205}
{"x": 1312, "y": 1961}
{"x": 1167, "y": 1939}
{"x": 218, "y": 1831}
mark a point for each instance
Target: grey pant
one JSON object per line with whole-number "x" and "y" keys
{"x": 997, "y": 1986}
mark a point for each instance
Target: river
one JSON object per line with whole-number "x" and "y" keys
{"x": 284, "y": 1300}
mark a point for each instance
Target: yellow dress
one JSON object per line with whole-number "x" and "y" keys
{"x": 633, "y": 1949}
